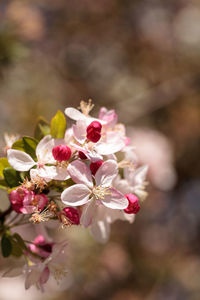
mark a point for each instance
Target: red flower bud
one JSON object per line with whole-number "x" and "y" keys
{"x": 94, "y": 166}
{"x": 72, "y": 214}
{"x": 94, "y": 131}
{"x": 82, "y": 155}
{"x": 133, "y": 206}
{"x": 61, "y": 153}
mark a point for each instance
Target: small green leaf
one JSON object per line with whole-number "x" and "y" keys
{"x": 6, "y": 245}
{"x": 12, "y": 177}
{"x": 16, "y": 249}
{"x": 58, "y": 125}
{"x": 42, "y": 128}
{"x": 3, "y": 164}
{"x": 18, "y": 145}
{"x": 19, "y": 240}
{"x": 30, "y": 145}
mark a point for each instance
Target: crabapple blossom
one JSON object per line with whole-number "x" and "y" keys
{"x": 90, "y": 194}
{"x": 87, "y": 174}
{"x": 22, "y": 161}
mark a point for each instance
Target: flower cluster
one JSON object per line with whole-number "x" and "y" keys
{"x": 84, "y": 175}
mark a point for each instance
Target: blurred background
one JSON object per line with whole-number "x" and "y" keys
{"x": 142, "y": 58}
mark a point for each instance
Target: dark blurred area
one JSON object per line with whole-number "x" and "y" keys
{"x": 142, "y": 58}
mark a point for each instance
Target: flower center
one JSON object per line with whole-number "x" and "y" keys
{"x": 100, "y": 192}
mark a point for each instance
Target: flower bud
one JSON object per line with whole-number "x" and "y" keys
{"x": 82, "y": 155}
{"x": 61, "y": 153}
{"x": 133, "y": 206}
{"x": 94, "y": 131}
{"x": 72, "y": 215}
{"x": 94, "y": 166}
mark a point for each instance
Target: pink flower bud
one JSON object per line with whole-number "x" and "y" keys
{"x": 94, "y": 166}
{"x": 72, "y": 214}
{"x": 61, "y": 153}
{"x": 94, "y": 131}
{"x": 133, "y": 206}
{"x": 82, "y": 155}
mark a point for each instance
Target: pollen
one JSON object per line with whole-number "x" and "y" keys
{"x": 100, "y": 192}
{"x": 39, "y": 217}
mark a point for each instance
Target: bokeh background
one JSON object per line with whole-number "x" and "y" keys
{"x": 141, "y": 57}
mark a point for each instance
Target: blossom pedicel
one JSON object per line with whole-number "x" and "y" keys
{"x": 72, "y": 175}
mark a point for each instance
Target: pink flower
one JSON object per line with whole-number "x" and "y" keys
{"x": 22, "y": 161}
{"x": 38, "y": 272}
{"x": 86, "y": 192}
{"x": 61, "y": 152}
{"x": 26, "y": 202}
{"x": 133, "y": 206}
{"x": 19, "y": 198}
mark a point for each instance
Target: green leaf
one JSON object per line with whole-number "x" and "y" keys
{"x": 12, "y": 177}
{"x": 16, "y": 249}
{"x": 6, "y": 245}
{"x": 42, "y": 128}
{"x": 3, "y": 164}
{"x": 58, "y": 125}
{"x": 19, "y": 240}
{"x": 30, "y": 145}
{"x": 18, "y": 145}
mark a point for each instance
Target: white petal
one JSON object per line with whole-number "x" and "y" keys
{"x": 112, "y": 144}
{"x": 76, "y": 195}
{"x": 53, "y": 172}
{"x": 74, "y": 114}
{"x": 44, "y": 149}
{"x": 115, "y": 200}
{"x": 88, "y": 213}
{"x": 79, "y": 130}
{"x": 20, "y": 160}
{"x": 140, "y": 174}
{"x": 106, "y": 173}
{"x": 80, "y": 173}
{"x": 100, "y": 231}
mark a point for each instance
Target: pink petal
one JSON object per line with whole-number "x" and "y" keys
{"x": 100, "y": 230}
{"x": 112, "y": 144}
{"x": 79, "y": 130}
{"x": 74, "y": 114}
{"x": 88, "y": 213}
{"x": 20, "y": 160}
{"x": 115, "y": 200}
{"x": 76, "y": 195}
{"x": 106, "y": 173}
{"x": 80, "y": 173}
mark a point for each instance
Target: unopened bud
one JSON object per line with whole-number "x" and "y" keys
{"x": 61, "y": 153}
{"x": 133, "y": 206}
